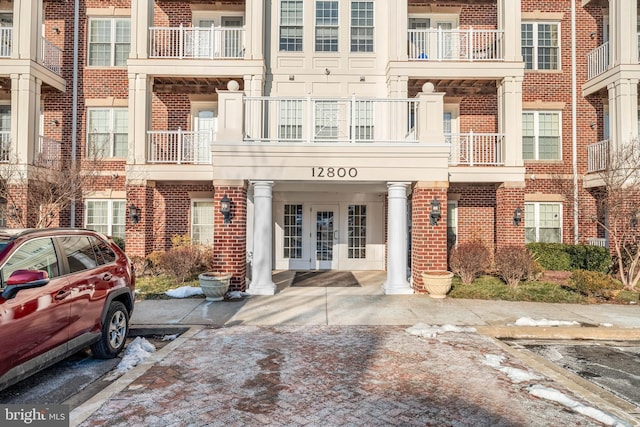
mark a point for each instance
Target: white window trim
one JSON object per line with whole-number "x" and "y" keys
{"x": 536, "y": 133}
{"x": 535, "y": 46}
{"x": 536, "y": 206}
{"x": 109, "y": 212}
{"x": 216, "y": 17}
{"x": 315, "y": 29}
{"x": 454, "y": 203}
{"x": 373, "y": 39}
{"x": 112, "y": 41}
{"x": 280, "y": 25}
{"x": 112, "y": 146}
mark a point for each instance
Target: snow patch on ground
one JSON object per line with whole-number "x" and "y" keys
{"x": 515, "y": 375}
{"x": 236, "y": 294}
{"x": 428, "y": 331}
{"x": 556, "y": 396}
{"x": 170, "y": 337}
{"x": 527, "y": 321}
{"x": 184, "y": 292}
{"x": 138, "y": 350}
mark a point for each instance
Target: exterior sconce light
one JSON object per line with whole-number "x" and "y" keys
{"x": 225, "y": 209}
{"x": 635, "y": 219}
{"x": 134, "y": 214}
{"x": 436, "y": 213}
{"x": 517, "y": 216}
{"x": 14, "y": 213}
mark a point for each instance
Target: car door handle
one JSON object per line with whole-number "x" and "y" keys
{"x": 107, "y": 277}
{"x": 61, "y": 295}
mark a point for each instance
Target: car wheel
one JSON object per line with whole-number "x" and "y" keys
{"x": 114, "y": 332}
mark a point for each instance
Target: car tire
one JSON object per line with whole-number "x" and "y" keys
{"x": 114, "y": 332}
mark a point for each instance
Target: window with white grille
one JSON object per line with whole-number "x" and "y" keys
{"x": 327, "y": 26}
{"x": 290, "y": 127}
{"x": 357, "y": 229}
{"x": 107, "y": 132}
{"x": 291, "y": 25}
{"x": 541, "y": 135}
{"x": 362, "y": 26}
{"x": 543, "y": 222}
{"x": 202, "y": 222}
{"x": 109, "y": 41}
{"x": 541, "y": 45}
{"x": 292, "y": 231}
{"x": 107, "y": 216}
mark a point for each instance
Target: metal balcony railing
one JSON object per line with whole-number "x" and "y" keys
{"x": 597, "y": 156}
{"x": 196, "y": 42}
{"x": 48, "y": 155}
{"x": 476, "y": 149}
{"x": 598, "y": 61}
{"x": 51, "y": 57}
{"x": 6, "y": 42}
{"x": 179, "y": 147}
{"x": 598, "y": 241}
{"x": 455, "y": 45}
{"x": 5, "y": 146}
{"x": 330, "y": 120}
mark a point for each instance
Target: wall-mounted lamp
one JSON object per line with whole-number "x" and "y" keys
{"x": 362, "y": 78}
{"x": 592, "y": 125}
{"x": 517, "y": 216}
{"x": 55, "y": 122}
{"x": 14, "y": 212}
{"x": 56, "y": 30}
{"x": 436, "y": 213}
{"x": 292, "y": 77}
{"x": 327, "y": 71}
{"x": 134, "y": 213}
{"x": 635, "y": 219}
{"x": 592, "y": 34}
{"x": 225, "y": 209}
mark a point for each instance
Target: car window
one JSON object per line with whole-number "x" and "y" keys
{"x": 104, "y": 253}
{"x": 80, "y": 255}
{"x": 38, "y": 254}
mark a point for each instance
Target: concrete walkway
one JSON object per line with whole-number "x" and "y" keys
{"x": 343, "y": 356}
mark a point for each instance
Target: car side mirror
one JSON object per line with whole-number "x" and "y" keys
{"x": 24, "y": 279}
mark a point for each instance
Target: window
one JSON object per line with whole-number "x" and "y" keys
{"x": 36, "y": 254}
{"x": 326, "y": 26}
{"x": 363, "y": 120}
{"x": 109, "y": 42}
{"x": 80, "y": 253}
{"x": 293, "y": 231}
{"x": 542, "y": 222}
{"x": 202, "y": 222}
{"x": 452, "y": 223}
{"x": 361, "y": 26}
{"x": 541, "y": 135}
{"x": 104, "y": 254}
{"x": 5, "y": 132}
{"x": 357, "y": 243}
{"x": 291, "y": 25}
{"x": 106, "y": 216}
{"x": 541, "y": 45}
{"x": 290, "y": 119}
{"x": 107, "y": 132}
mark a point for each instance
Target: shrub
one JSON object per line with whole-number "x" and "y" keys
{"x": 567, "y": 257}
{"x": 153, "y": 263}
{"x": 469, "y": 259}
{"x": 514, "y": 263}
{"x": 595, "y": 284}
{"x": 119, "y": 241}
{"x": 140, "y": 264}
{"x": 551, "y": 256}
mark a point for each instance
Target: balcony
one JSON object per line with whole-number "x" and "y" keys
{"x": 196, "y": 42}
{"x": 179, "y": 147}
{"x": 455, "y": 45}
{"x": 598, "y": 60}
{"x": 48, "y": 155}
{"x": 597, "y": 156}
{"x": 5, "y": 146}
{"x": 475, "y": 149}
{"x": 330, "y": 120}
{"x": 50, "y": 55}
{"x": 598, "y": 241}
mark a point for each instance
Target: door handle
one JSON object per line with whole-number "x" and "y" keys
{"x": 61, "y": 295}
{"x": 335, "y": 235}
{"x": 107, "y": 277}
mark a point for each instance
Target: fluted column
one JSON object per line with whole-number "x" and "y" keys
{"x": 261, "y": 281}
{"x": 397, "y": 242}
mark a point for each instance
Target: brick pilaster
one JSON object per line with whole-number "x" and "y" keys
{"x": 508, "y": 198}
{"x": 428, "y": 242}
{"x": 230, "y": 240}
{"x": 139, "y": 237}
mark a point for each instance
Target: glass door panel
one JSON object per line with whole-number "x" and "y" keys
{"x": 325, "y": 237}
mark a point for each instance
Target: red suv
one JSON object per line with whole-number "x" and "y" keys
{"x": 61, "y": 291}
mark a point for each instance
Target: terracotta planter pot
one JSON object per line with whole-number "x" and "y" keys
{"x": 214, "y": 285}
{"x": 437, "y": 283}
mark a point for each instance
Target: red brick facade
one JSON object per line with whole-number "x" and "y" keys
{"x": 230, "y": 240}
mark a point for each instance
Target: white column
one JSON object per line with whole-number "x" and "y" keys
{"x": 623, "y": 111}
{"x": 25, "y": 111}
{"x": 509, "y": 21}
{"x": 141, "y": 20}
{"x": 397, "y": 240}
{"x": 510, "y": 119}
{"x": 261, "y": 282}
{"x": 139, "y": 105}
{"x": 623, "y": 37}
{"x": 430, "y": 110}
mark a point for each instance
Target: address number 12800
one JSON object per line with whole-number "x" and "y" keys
{"x": 322, "y": 172}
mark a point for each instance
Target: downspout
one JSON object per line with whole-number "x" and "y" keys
{"x": 74, "y": 113}
{"x": 574, "y": 125}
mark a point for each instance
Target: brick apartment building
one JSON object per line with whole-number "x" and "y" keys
{"x": 335, "y": 129}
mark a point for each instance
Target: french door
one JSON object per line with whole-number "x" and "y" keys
{"x": 324, "y": 237}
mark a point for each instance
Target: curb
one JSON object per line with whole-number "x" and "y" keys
{"x": 560, "y": 332}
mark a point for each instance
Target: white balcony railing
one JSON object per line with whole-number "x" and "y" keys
{"x": 48, "y": 155}
{"x": 51, "y": 56}
{"x": 598, "y": 61}
{"x": 597, "y": 156}
{"x": 6, "y": 42}
{"x": 598, "y": 241}
{"x": 196, "y": 42}
{"x": 5, "y": 146}
{"x": 475, "y": 148}
{"x": 179, "y": 147}
{"x": 456, "y": 45}
{"x": 330, "y": 120}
